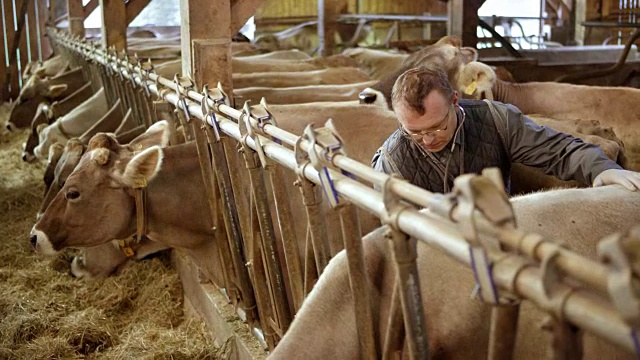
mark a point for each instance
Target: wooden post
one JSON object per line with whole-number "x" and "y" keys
{"x": 579, "y": 15}
{"x": 241, "y": 11}
{"x": 76, "y": 18}
{"x": 43, "y": 13}
{"x": 206, "y": 42}
{"x": 21, "y": 20}
{"x": 114, "y": 24}
{"x": 463, "y": 20}
{"x": 327, "y": 13}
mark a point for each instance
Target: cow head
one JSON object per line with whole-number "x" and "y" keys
{"x": 36, "y": 90}
{"x": 96, "y": 203}
{"x": 67, "y": 162}
{"x": 446, "y": 54}
{"x": 40, "y": 121}
{"x": 55, "y": 153}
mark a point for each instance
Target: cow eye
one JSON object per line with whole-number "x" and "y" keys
{"x": 72, "y": 195}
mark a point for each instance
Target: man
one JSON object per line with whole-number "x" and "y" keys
{"x": 441, "y": 137}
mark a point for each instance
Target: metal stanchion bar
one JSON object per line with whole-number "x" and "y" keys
{"x": 268, "y": 245}
{"x": 395, "y": 327}
{"x": 231, "y": 222}
{"x": 289, "y": 243}
{"x": 352, "y": 237}
{"x": 408, "y": 282}
{"x": 317, "y": 227}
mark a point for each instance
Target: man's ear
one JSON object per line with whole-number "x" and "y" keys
{"x": 143, "y": 167}
{"x": 156, "y": 135}
{"x": 56, "y": 90}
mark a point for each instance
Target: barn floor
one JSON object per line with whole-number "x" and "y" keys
{"x": 45, "y": 313}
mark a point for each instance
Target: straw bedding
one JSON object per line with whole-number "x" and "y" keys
{"x": 45, "y": 313}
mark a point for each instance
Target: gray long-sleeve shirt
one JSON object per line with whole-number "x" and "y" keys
{"x": 492, "y": 134}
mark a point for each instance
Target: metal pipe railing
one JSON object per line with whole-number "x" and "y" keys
{"x": 509, "y": 273}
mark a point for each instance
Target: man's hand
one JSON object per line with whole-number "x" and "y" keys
{"x": 626, "y": 178}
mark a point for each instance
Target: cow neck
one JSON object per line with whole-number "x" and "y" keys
{"x": 176, "y": 191}
{"x": 62, "y": 131}
{"x": 515, "y": 94}
{"x": 140, "y": 195}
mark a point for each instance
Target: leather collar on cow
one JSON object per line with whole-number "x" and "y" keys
{"x": 140, "y": 190}
{"x": 64, "y": 133}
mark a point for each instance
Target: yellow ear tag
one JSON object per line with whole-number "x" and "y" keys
{"x": 140, "y": 183}
{"x": 471, "y": 88}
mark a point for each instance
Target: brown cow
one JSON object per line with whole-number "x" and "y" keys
{"x": 614, "y": 107}
{"x": 53, "y": 66}
{"x": 164, "y": 222}
{"x": 73, "y": 124}
{"x": 302, "y": 94}
{"x": 336, "y": 76}
{"x": 47, "y": 113}
{"x": 244, "y": 65}
{"x": 39, "y": 89}
{"x": 457, "y": 326}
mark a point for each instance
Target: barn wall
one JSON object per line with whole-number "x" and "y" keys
{"x": 300, "y": 8}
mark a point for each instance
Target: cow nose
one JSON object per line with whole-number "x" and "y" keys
{"x": 9, "y": 127}
{"x": 33, "y": 239}
{"x": 367, "y": 98}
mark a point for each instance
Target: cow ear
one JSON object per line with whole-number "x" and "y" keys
{"x": 143, "y": 167}
{"x": 469, "y": 54}
{"x": 156, "y": 135}
{"x": 56, "y": 90}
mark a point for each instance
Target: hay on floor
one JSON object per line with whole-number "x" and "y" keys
{"x": 47, "y": 314}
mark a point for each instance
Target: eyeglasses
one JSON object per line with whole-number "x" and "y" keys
{"x": 431, "y": 134}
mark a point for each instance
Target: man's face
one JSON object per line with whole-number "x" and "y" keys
{"x": 435, "y": 128}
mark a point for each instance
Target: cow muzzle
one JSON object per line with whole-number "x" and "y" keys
{"x": 26, "y": 157}
{"x": 40, "y": 242}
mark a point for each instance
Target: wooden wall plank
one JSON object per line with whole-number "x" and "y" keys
{"x": 33, "y": 30}
{"x": 11, "y": 76}
{"x": 4, "y": 86}
{"x": 134, "y": 7}
{"x": 114, "y": 24}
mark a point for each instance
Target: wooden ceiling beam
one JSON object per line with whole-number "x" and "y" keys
{"x": 90, "y": 7}
{"x": 134, "y": 7}
{"x": 241, "y": 11}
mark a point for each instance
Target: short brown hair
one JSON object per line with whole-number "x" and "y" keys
{"x": 415, "y": 84}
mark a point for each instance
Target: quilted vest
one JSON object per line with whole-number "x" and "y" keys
{"x": 480, "y": 146}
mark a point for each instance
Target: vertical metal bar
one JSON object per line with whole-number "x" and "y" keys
{"x": 290, "y": 245}
{"x": 395, "y": 329}
{"x": 567, "y": 340}
{"x": 272, "y": 261}
{"x": 231, "y": 222}
{"x": 503, "y": 331}
{"x": 312, "y": 201}
{"x": 405, "y": 252}
{"x": 260, "y": 281}
{"x": 310, "y": 271}
{"x": 352, "y": 236}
